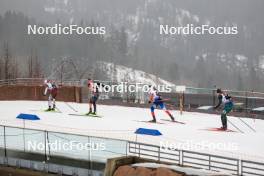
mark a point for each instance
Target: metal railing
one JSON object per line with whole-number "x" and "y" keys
{"x": 17, "y": 149}
{"x": 211, "y": 162}
{"x": 22, "y": 81}
{"x": 155, "y": 152}
{"x": 252, "y": 168}
{"x": 37, "y": 82}
{"x": 207, "y": 161}
{"x": 16, "y": 139}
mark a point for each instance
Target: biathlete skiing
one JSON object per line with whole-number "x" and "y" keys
{"x": 51, "y": 91}
{"x": 93, "y": 95}
{"x": 157, "y": 102}
{"x": 227, "y": 101}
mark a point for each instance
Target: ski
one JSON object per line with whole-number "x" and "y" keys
{"x": 45, "y": 110}
{"x": 219, "y": 130}
{"x": 145, "y": 121}
{"x": 56, "y": 110}
{"x": 175, "y": 121}
{"x": 93, "y": 115}
{"x": 87, "y": 115}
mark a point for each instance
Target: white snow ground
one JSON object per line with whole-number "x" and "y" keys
{"x": 121, "y": 122}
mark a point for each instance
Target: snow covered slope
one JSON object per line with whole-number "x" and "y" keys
{"x": 121, "y": 123}
{"x": 121, "y": 73}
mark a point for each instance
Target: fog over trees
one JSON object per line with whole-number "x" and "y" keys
{"x": 132, "y": 39}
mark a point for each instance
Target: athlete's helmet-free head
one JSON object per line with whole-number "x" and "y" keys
{"x": 218, "y": 91}
{"x": 46, "y": 81}
{"x": 90, "y": 82}
{"x": 152, "y": 87}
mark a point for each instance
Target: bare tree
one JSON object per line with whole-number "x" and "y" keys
{"x": 14, "y": 67}
{"x": 37, "y": 68}
{"x": 30, "y": 65}
{"x": 1, "y": 68}
{"x": 7, "y": 62}
{"x": 34, "y": 68}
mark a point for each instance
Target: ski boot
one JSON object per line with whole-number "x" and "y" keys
{"x": 172, "y": 118}
{"x": 153, "y": 120}
{"x": 90, "y": 112}
{"x": 53, "y": 108}
{"x": 223, "y": 128}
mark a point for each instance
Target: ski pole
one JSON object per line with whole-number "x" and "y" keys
{"x": 170, "y": 104}
{"x": 71, "y": 107}
{"x": 58, "y": 109}
{"x": 247, "y": 124}
{"x": 163, "y": 100}
{"x": 234, "y": 126}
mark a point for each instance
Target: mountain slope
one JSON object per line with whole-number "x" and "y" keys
{"x": 121, "y": 73}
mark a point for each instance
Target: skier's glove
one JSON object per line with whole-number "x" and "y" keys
{"x": 149, "y": 101}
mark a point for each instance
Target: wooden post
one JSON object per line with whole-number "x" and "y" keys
{"x": 35, "y": 89}
{"x": 181, "y": 90}
{"x": 181, "y": 103}
{"x": 77, "y": 94}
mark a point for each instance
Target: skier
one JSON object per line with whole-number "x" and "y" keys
{"x": 51, "y": 91}
{"x": 157, "y": 102}
{"x": 225, "y": 99}
{"x": 93, "y": 95}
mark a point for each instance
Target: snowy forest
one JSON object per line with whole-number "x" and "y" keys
{"x": 132, "y": 39}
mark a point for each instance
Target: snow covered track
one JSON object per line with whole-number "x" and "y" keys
{"x": 121, "y": 123}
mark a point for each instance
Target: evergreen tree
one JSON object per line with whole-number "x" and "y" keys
{"x": 240, "y": 84}
{"x": 123, "y": 48}
{"x": 173, "y": 72}
{"x": 253, "y": 79}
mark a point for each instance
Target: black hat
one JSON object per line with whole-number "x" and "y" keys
{"x": 218, "y": 90}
